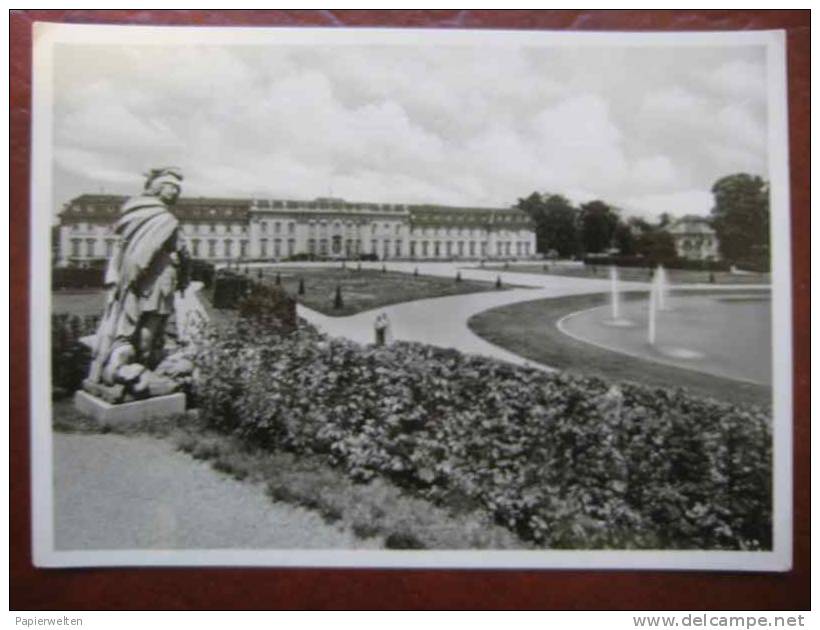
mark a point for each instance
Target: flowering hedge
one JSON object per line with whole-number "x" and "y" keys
{"x": 564, "y": 460}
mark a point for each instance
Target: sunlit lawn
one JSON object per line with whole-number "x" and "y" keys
{"x": 365, "y": 289}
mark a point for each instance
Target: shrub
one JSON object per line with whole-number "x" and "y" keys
{"x": 77, "y": 277}
{"x": 70, "y": 358}
{"x": 202, "y": 271}
{"x": 269, "y": 305}
{"x": 563, "y": 460}
{"x": 229, "y": 289}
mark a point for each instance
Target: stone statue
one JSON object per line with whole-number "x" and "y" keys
{"x": 142, "y": 277}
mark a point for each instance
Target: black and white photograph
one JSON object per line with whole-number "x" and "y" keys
{"x": 411, "y": 298}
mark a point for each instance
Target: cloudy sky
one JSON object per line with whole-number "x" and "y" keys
{"x": 646, "y": 129}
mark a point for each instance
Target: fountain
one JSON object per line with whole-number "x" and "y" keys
{"x": 663, "y": 290}
{"x": 658, "y": 302}
{"x": 653, "y": 310}
{"x": 615, "y": 302}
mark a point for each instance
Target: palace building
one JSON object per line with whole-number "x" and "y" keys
{"x": 221, "y": 230}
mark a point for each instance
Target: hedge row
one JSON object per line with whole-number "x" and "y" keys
{"x": 567, "y": 461}
{"x": 669, "y": 263}
{"x": 77, "y": 277}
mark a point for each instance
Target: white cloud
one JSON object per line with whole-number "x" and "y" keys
{"x": 447, "y": 125}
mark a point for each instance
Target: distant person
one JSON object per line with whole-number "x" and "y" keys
{"x": 382, "y": 329}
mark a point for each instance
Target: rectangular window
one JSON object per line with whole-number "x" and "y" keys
{"x": 398, "y": 249}
{"x": 472, "y": 248}
{"x": 460, "y": 248}
{"x": 109, "y": 247}
{"x": 243, "y": 248}
{"x": 437, "y": 251}
{"x": 277, "y": 227}
{"x": 412, "y": 249}
{"x": 449, "y": 249}
{"x": 311, "y": 246}
{"x": 89, "y": 246}
{"x": 277, "y": 247}
{"x": 374, "y": 246}
{"x": 263, "y": 248}
{"x": 424, "y": 249}
{"x": 291, "y": 246}
{"x": 75, "y": 247}
{"x": 291, "y": 228}
{"x": 195, "y": 248}
{"x": 212, "y": 248}
{"x": 228, "y": 248}
{"x": 386, "y": 249}
{"x": 499, "y": 249}
{"x": 483, "y": 248}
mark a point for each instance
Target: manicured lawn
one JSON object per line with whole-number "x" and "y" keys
{"x": 636, "y": 274}
{"x": 365, "y": 289}
{"x": 80, "y": 302}
{"x": 529, "y": 329}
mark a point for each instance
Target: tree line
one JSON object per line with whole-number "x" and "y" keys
{"x": 739, "y": 216}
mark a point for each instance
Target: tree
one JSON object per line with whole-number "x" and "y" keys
{"x": 625, "y": 239}
{"x": 555, "y": 221}
{"x": 598, "y": 223}
{"x": 656, "y": 245}
{"x": 740, "y": 218}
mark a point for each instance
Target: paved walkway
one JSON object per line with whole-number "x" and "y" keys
{"x": 117, "y": 492}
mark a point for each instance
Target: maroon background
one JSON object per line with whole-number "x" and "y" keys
{"x": 390, "y": 589}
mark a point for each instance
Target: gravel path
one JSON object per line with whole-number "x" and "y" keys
{"x": 116, "y": 492}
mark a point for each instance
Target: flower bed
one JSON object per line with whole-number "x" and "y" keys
{"x": 566, "y": 461}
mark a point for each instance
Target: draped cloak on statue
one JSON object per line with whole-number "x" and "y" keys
{"x": 141, "y": 277}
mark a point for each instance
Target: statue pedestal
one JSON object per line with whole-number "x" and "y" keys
{"x": 129, "y": 412}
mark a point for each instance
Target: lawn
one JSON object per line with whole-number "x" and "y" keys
{"x": 365, "y": 289}
{"x": 80, "y": 302}
{"x": 636, "y": 274}
{"x": 529, "y": 329}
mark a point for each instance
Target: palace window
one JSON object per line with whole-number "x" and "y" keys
{"x": 243, "y": 248}
{"x": 212, "y": 248}
{"x": 437, "y": 249}
{"x": 228, "y": 248}
{"x": 449, "y": 248}
{"x": 291, "y": 245}
{"x": 412, "y": 249}
{"x": 291, "y": 228}
{"x": 386, "y": 249}
{"x": 374, "y": 246}
{"x": 311, "y": 245}
{"x": 277, "y": 247}
{"x": 460, "y": 248}
{"x": 263, "y": 247}
{"x": 398, "y": 249}
{"x": 75, "y": 247}
{"x": 472, "y": 248}
{"x": 89, "y": 245}
{"x": 484, "y": 248}
{"x": 277, "y": 227}
{"x": 195, "y": 248}
{"x": 424, "y": 249}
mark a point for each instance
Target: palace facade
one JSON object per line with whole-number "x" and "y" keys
{"x": 221, "y": 230}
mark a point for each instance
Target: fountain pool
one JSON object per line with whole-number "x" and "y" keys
{"x": 724, "y": 335}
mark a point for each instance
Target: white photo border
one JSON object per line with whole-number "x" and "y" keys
{"x": 47, "y": 35}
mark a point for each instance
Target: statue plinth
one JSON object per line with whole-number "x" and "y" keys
{"x": 129, "y": 412}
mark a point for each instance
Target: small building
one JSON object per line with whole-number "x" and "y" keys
{"x": 695, "y": 239}
{"x": 221, "y": 230}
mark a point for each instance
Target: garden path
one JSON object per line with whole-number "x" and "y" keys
{"x": 119, "y": 492}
